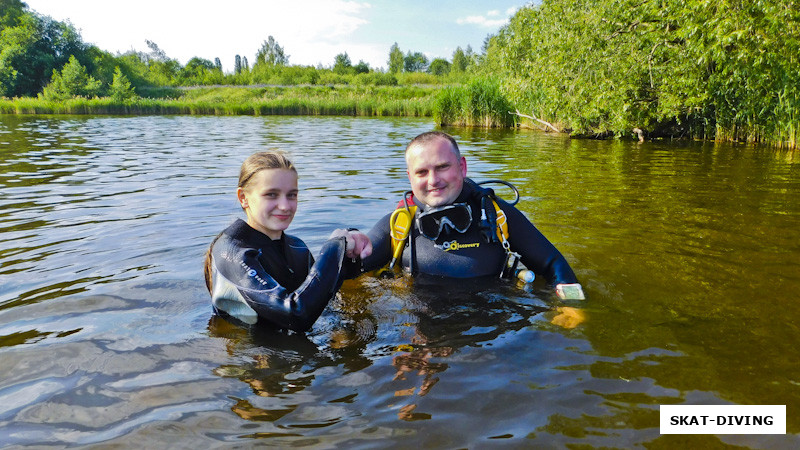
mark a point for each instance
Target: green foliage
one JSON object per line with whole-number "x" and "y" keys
{"x": 342, "y": 64}
{"x": 199, "y": 71}
{"x": 73, "y": 81}
{"x": 462, "y": 60}
{"x": 40, "y": 56}
{"x": 395, "y": 59}
{"x": 271, "y": 54}
{"x": 361, "y": 67}
{"x": 693, "y": 68}
{"x": 299, "y": 100}
{"x": 411, "y": 78}
{"x": 121, "y": 88}
{"x": 31, "y": 46}
{"x": 163, "y": 72}
{"x": 375, "y": 79}
{"x": 281, "y": 75}
{"x": 481, "y": 102}
{"x": 439, "y": 66}
{"x": 415, "y": 62}
{"x": 10, "y": 12}
{"x": 14, "y": 42}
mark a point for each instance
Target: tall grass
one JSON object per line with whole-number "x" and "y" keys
{"x": 479, "y": 103}
{"x": 295, "y": 100}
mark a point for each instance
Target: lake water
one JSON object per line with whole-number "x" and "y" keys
{"x": 688, "y": 252}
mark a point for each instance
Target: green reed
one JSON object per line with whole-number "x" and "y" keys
{"x": 294, "y": 100}
{"x": 479, "y": 103}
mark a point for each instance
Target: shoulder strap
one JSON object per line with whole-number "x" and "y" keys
{"x": 502, "y": 225}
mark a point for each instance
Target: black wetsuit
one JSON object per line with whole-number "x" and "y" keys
{"x": 469, "y": 254}
{"x": 257, "y": 279}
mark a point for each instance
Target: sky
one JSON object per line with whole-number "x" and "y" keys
{"x": 311, "y": 32}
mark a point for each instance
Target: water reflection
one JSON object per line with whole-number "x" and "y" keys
{"x": 417, "y": 324}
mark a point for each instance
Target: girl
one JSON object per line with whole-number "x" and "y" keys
{"x": 256, "y": 272}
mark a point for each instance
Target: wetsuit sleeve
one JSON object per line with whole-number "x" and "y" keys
{"x": 239, "y": 270}
{"x": 538, "y": 253}
{"x": 381, "y": 240}
{"x": 352, "y": 268}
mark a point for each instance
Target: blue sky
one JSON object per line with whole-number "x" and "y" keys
{"x": 311, "y": 32}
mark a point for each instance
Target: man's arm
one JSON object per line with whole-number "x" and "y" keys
{"x": 538, "y": 253}
{"x": 381, "y": 239}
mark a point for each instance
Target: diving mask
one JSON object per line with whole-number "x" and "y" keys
{"x": 457, "y": 216}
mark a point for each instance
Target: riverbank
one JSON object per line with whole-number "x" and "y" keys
{"x": 408, "y": 101}
{"x": 481, "y": 102}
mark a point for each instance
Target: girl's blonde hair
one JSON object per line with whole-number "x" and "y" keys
{"x": 263, "y": 161}
{"x": 254, "y": 163}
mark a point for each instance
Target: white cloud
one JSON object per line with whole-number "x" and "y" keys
{"x": 481, "y": 21}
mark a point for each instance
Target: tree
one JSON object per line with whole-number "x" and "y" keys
{"x": 31, "y": 47}
{"x": 470, "y": 55}
{"x": 237, "y": 65}
{"x": 460, "y": 61}
{"x": 415, "y": 62}
{"x": 15, "y": 43}
{"x": 696, "y": 68}
{"x": 10, "y": 12}
{"x": 121, "y": 88}
{"x": 155, "y": 51}
{"x": 245, "y": 64}
{"x": 164, "y": 72}
{"x": 73, "y": 81}
{"x": 439, "y": 66}
{"x": 218, "y": 64}
{"x": 271, "y": 54}
{"x": 361, "y": 67}
{"x": 341, "y": 63}
{"x": 395, "y": 59}
{"x": 197, "y": 64}
{"x": 196, "y": 70}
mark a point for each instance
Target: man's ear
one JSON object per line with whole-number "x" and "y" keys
{"x": 463, "y": 164}
{"x": 242, "y": 198}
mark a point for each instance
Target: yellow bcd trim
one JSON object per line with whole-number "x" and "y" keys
{"x": 400, "y": 224}
{"x": 502, "y": 223}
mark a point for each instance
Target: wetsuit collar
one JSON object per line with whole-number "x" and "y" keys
{"x": 241, "y": 230}
{"x": 284, "y": 264}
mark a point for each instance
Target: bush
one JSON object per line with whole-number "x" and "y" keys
{"x": 375, "y": 79}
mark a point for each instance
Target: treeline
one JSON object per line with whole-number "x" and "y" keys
{"x": 690, "y": 68}
{"x": 272, "y": 67}
{"x": 46, "y": 58}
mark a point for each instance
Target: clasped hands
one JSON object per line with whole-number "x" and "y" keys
{"x": 358, "y": 244}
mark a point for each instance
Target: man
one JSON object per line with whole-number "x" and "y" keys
{"x": 452, "y": 233}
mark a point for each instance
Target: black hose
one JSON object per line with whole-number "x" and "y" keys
{"x": 506, "y": 183}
